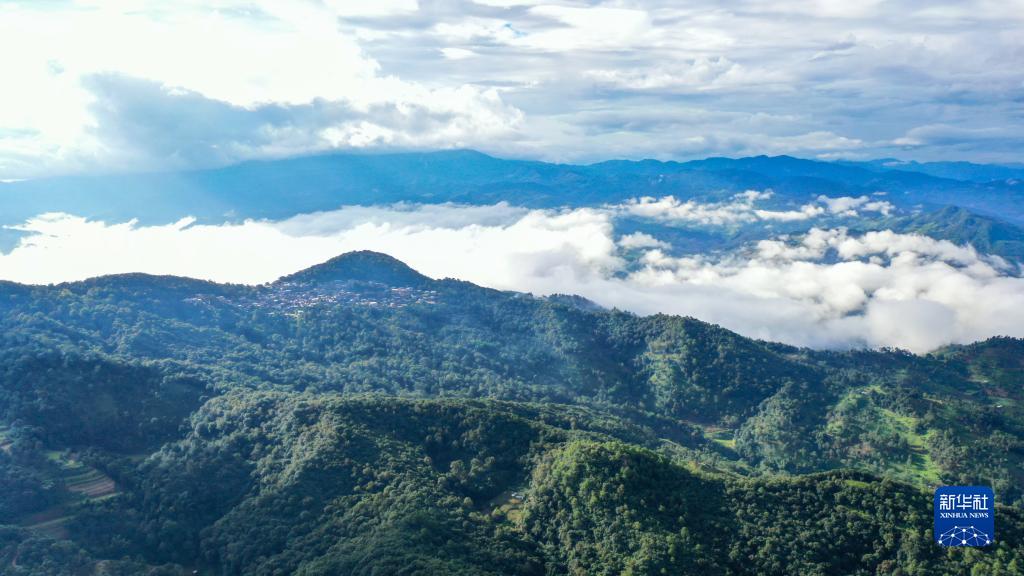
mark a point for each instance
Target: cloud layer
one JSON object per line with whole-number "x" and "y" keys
{"x": 825, "y": 288}
{"x": 141, "y": 84}
{"x": 145, "y": 85}
{"x": 742, "y": 208}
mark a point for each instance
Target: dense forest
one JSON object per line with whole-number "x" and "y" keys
{"x": 360, "y": 418}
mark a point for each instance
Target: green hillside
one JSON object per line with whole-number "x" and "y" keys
{"x": 288, "y": 483}
{"x": 359, "y": 418}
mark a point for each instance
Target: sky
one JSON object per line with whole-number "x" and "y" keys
{"x": 127, "y": 85}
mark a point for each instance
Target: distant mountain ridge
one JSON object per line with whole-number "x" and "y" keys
{"x": 281, "y": 188}
{"x": 952, "y": 170}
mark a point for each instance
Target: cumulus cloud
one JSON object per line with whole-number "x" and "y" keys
{"x": 641, "y": 240}
{"x": 143, "y": 85}
{"x": 148, "y": 125}
{"x": 895, "y": 67}
{"x": 671, "y": 209}
{"x": 377, "y": 8}
{"x": 825, "y": 288}
{"x": 850, "y": 206}
{"x": 521, "y": 77}
{"x": 740, "y": 209}
{"x": 881, "y": 288}
{"x": 588, "y": 28}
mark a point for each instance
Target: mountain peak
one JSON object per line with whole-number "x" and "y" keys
{"x": 362, "y": 266}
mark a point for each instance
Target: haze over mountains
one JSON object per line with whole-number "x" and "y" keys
{"x": 282, "y": 188}
{"x": 826, "y": 254}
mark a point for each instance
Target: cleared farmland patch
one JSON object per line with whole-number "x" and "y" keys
{"x": 92, "y": 484}
{"x": 50, "y": 522}
{"x": 81, "y": 479}
{"x": 82, "y": 482}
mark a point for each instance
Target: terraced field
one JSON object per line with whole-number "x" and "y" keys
{"x": 83, "y": 483}
{"x": 91, "y": 483}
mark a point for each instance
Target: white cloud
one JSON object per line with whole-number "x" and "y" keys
{"x": 591, "y": 28}
{"x": 850, "y": 206}
{"x": 824, "y": 288}
{"x": 739, "y": 210}
{"x": 806, "y": 212}
{"x": 881, "y": 289}
{"x": 227, "y": 57}
{"x": 508, "y": 3}
{"x": 671, "y": 209}
{"x": 641, "y": 240}
{"x": 701, "y": 74}
{"x": 474, "y": 30}
{"x": 376, "y": 8}
{"x": 819, "y": 79}
{"x": 457, "y": 53}
{"x": 290, "y": 52}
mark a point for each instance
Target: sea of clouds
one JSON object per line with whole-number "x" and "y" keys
{"x": 827, "y": 288}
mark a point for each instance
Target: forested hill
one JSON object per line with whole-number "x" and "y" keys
{"x": 359, "y": 417}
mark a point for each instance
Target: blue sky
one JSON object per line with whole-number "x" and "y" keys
{"x": 110, "y": 85}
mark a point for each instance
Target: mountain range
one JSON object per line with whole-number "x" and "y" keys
{"x": 281, "y": 188}
{"x": 358, "y": 417}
